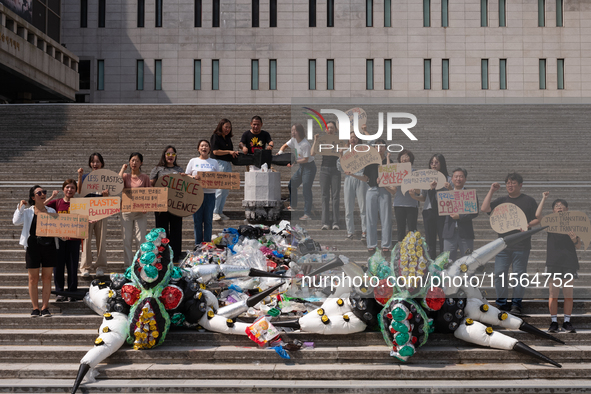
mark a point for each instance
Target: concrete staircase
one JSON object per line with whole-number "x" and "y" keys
{"x": 46, "y": 144}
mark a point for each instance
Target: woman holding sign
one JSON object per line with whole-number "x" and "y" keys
{"x": 41, "y": 252}
{"x": 203, "y": 218}
{"x": 170, "y": 222}
{"x": 330, "y": 184}
{"x": 134, "y": 224}
{"x": 223, "y": 152}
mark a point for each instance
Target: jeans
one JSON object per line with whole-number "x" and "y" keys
{"x": 305, "y": 175}
{"x": 378, "y": 201}
{"x": 67, "y": 259}
{"x": 330, "y": 186}
{"x": 355, "y": 188}
{"x": 203, "y": 219}
{"x": 433, "y": 228}
{"x": 222, "y": 194}
{"x": 406, "y": 216}
{"x": 503, "y": 261}
{"x": 452, "y": 244}
{"x": 173, "y": 225}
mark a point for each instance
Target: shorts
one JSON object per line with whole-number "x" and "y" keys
{"x": 560, "y": 272}
{"x": 41, "y": 256}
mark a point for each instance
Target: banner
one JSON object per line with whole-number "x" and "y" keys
{"x": 362, "y": 116}
{"x": 393, "y": 174}
{"x": 144, "y": 199}
{"x": 322, "y": 145}
{"x": 100, "y": 180}
{"x": 507, "y": 217}
{"x": 422, "y": 179}
{"x": 565, "y": 222}
{"x": 185, "y": 194}
{"x": 354, "y": 161}
{"x": 63, "y": 225}
{"x": 220, "y": 180}
{"x": 96, "y": 208}
{"x": 461, "y": 202}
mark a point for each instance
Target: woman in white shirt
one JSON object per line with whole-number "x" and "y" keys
{"x": 306, "y": 171}
{"x": 203, "y": 218}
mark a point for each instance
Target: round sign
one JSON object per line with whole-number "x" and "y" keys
{"x": 508, "y": 217}
{"x": 99, "y": 180}
{"x": 185, "y": 194}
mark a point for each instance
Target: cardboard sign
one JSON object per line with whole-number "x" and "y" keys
{"x": 422, "y": 179}
{"x": 393, "y": 174}
{"x": 326, "y": 144}
{"x": 361, "y": 116}
{"x": 356, "y": 161}
{"x": 565, "y": 222}
{"x": 96, "y": 208}
{"x": 64, "y": 225}
{"x": 507, "y": 217}
{"x": 461, "y": 202}
{"x": 185, "y": 194}
{"x": 220, "y": 180}
{"x": 144, "y": 199}
{"x": 100, "y": 180}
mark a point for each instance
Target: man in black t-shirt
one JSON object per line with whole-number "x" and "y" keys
{"x": 517, "y": 254}
{"x": 255, "y": 138}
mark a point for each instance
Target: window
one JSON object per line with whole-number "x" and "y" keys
{"x": 427, "y": 74}
{"x": 387, "y": 74}
{"x": 84, "y": 13}
{"x": 444, "y": 13}
{"x": 426, "y": 13}
{"x": 541, "y": 13}
{"x": 102, "y": 11}
{"x": 197, "y": 74}
{"x": 502, "y": 13}
{"x": 312, "y": 74}
{"x": 254, "y": 74}
{"x": 369, "y": 74}
{"x": 329, "y": 13}
{"x": 445, "y": 74}
{"x": 158, "y": 74}
{"x": 158, "y": 10}
{"x": 560, "y": 72}
{"x": 387, "y": 13}
{"x": 503, "y": 74}
{"x": 141, "y": 10}
{"x": 369, "y": 13}
{"x": 273, "y": 13}
{"x": 542, "y": 70}
{"x": 312, "y": 13}
{"x": 198, "y": 12}
{"x": 255, "y": 13}
{"x": 100, "y": 75}
{"x": 484, "y": 73}
{"x": 273, "y": 74}
{"x": 330, "y": 74}
{"x": 84, "y": 74}
{"x": 215, "y": 18}
{"x": 483, "y": 13}
{"x": 215, "y": 74}
{"x": 559, "y": 13}
{"x": 140, "y": 75}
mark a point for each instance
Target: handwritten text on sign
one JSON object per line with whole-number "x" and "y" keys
{"x": 457, "y": 201}
{"x": 508, "y": 217}
{"x": 100, "y": 180}
{"x": 185, "y": 194}
{"x": 96, "y": 208}
{"x": 565, "y": 222}
{"x": 66, "y": 225}
{"x": 422, "y": 180}
{"x": 144, "y": 199}
{"x": 354, "y": 161}
{"x": 326, "y": 144}
{"x": 393, "y": 174}
{"x": 220, "y": 180}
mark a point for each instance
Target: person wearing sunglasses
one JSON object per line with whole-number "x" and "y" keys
{"x": 41, "y": 252}
{"x": 170, "y": 222}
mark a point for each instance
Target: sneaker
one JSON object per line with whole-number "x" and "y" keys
{"x": 504, "y": 308}
{"x": 45, "y": 313}
{"x": 216, "y": 217}
{"x": 515, "y": 310}
{"x": 324, "y": 227}
{"x": 305, "y": 217}
{"x": 335, "y": 227}
{"x": 85, "y": 274}
{"x": 224, "y": 217}
{"x": 35, "y": 313}
{"x": 100, "y": 272}
{"x": 290, "y": 209}
{"x": 60, "y": 298}
{"x": 349, "y": 236}
{"x": 363, "y": 236}
{"x": 568, "y": 327}
{"x": 72, "y": 299}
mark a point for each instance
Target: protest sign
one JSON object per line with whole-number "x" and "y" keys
{"x": 354, "y": 161}
{"x": 96, "y": 208}
{"x": 64, "y": 225}
{"x": 144, "y": 199}
{"x": 507, "y": 217}
{"x": 361, "y": 116}
{"x": 461, "y": 202}
{"x": 185, "y": 194}
{"x": 220, "y": 180}
{"x": 565, "y": 222}
{"x": 422, "y": 179}
{"x": 100, "y": 180}
{"x": 393, "y": 174}
{"x": 326, "y": 144}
